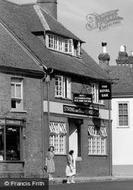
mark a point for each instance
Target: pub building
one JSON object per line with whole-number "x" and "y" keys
{"x": 52, "y": 93}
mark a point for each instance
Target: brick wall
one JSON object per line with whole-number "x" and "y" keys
{"x": 32, "y": 140}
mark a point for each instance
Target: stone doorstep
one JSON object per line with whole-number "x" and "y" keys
{"x": 59, "y": 180}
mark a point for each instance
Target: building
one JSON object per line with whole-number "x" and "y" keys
{"x": 122, "y": 105}
{"x": 49, "y": 95}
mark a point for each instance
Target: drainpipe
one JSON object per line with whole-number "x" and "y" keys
{"x": 42, "y": 118}
{"x": 46, "y": 79}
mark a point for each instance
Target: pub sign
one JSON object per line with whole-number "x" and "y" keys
{"x": 104, "y": 91}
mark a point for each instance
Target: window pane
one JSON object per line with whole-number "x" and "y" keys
{"x": 1, "y": 142}
{"x": 13, "y": 103}
{"x": 12, "y": 143}
{"x": 18, "y": 90}
{"x": 96, "y": 144}
{"x": 123, "y": 114}
{"x": 12, "y": 90}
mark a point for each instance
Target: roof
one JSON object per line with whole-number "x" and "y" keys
{"x": 123, "y": 81}
{"x": 21, "y": 21}
{"x": 57, "y": 27}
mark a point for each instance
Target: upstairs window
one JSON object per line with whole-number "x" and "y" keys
{"x": 62, "y": 87}
{"x": 77, "y": 48}
{"x": 95, "y": 94}
{"x": 123, "y": 114}
{"x": 64, "y": 45}
{"x": 16, "y": 93}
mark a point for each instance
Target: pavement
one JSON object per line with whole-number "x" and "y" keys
{"x": 60, "y": 180}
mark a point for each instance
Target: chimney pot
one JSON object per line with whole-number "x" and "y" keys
{"x": 122, "y": 48}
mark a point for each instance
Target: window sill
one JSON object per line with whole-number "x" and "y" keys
{"x": 60, "y": 154}
{"x": 66, "y": 53}
{"x": 123, "y": 127}
{"x": 61, "y": 98}
{"x": 12, "y": 161}
{"x": 19, "y": 111}
{"x": 97, "y": 155}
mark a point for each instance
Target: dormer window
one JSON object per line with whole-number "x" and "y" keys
{"x": 64, "y": 45}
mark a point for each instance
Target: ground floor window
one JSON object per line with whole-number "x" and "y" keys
{"x": 10, "y": 142}
{"x": 57, "y": 136}
{"x": 97, "y": 140}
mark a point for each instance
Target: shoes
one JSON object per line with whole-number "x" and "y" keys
{"x": 68, "y": 182}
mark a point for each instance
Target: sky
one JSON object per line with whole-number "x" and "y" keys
{"x": 73, "y": 13}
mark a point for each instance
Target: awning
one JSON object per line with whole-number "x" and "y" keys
{"x": 94, "y": 132}
{"x": 57, "y": 127}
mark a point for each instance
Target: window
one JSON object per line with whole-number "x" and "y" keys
{"x": 64, "y": 45}
{"x": 62, "y": 87}
{"x": 97, "y": 140}
{"x": 16, "y": 93}
{"x": 10, "y": 142}
{"x": 77, "y": 48}
{"x": 58, "y": 137}
{"x": 95, "y": 94}
{"x": 123, "y": 114}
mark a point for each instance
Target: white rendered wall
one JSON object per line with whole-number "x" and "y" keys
{"x": 122, "y": 138}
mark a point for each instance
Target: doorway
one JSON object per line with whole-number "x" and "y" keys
{"x": 75, "y": 137}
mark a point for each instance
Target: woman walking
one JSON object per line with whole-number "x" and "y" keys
{"x": 70, "y": 170}
{"x": 50, "y": 165}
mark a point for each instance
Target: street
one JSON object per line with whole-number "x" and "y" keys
{"x": 110, "y": 185}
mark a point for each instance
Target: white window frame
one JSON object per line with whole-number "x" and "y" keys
{"x": 97, "y": 143}
{"x": 123, "y": 126}
{"x": 60, "y": 44}
{"x": 63, "y": 87}
{"x": 95, "y": 94}
{"x": 57, "y": 137}
{"x": 18, "y": 100}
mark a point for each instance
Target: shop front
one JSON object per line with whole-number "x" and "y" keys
{"x": 11, "y": 147}
{"x": 84, "y": 129}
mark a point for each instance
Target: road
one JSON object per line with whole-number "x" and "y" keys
{"x": 107, "y": 185}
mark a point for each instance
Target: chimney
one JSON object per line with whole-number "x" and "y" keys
{"x": 122, "y": 59}
{"x": 104, "y": 57}
{"x": 50, "y": 6}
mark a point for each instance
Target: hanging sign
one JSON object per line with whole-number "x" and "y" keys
{"x": 104, "y": 91}
{"x": 82, "y": 98}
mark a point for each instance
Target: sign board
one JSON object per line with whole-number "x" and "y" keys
{"x": 80, "y": 110}
{"x": 82, "y": 98}
{"x": 104, "y": 91}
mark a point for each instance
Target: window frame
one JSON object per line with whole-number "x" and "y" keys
{"x": 16, "y": 99}
{"x": 123, "y": 126}
{"x": 61, "y": 44}
{"x": 96, "y": 141}
{"x": 58, "y": 134}
{"x": 64, "y": 90}
{"x": 95, "y": 94}
{"x": 20, "y": 128}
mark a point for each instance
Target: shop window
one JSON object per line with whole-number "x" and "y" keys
{"x": 16, "y": 93}
{"x": 97, "y": 140}
{"x": 10, "y": 143}
{"x": 58, "y": 137}
{"x": 62, "y": 87}
{"x": 123, "y": 114}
